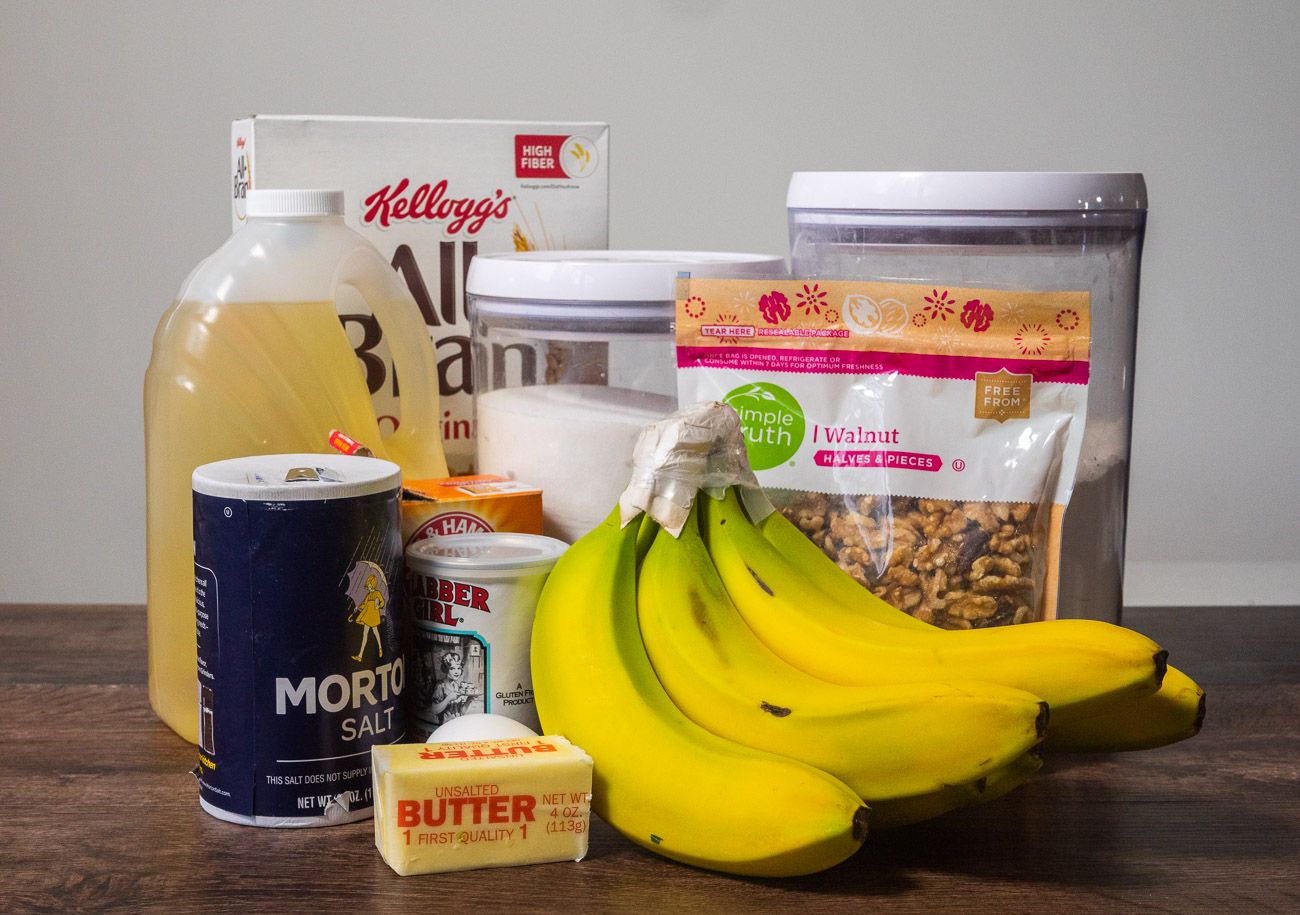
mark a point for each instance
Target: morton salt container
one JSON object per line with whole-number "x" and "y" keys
{"x": 473, "y": 598}
{"x": 298, "y": 597}
{"x": 1026, "y": 231}
{"x": 573, "y": 355}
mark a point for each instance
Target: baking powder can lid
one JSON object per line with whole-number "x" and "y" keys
{"x": 489, "y": 552}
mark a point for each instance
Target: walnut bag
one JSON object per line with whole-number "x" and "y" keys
{"x": 926, "y": 438}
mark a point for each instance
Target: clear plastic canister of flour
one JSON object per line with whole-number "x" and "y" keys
{"x": 472, "y": 601}
{"x": 573, "y": 356}
{"x": 1018, "y": 231}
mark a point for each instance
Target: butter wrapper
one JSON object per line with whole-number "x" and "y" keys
{"x": 482, "y": 803}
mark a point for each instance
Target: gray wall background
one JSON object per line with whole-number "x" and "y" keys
{"x": 116, "y": 117}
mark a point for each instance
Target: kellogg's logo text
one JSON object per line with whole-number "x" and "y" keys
{"x": 431, "y": 204}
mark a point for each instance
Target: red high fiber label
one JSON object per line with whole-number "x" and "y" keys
{"x": 538, "y": 156}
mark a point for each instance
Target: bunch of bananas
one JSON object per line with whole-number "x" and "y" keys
{"x": 749, "y": 707}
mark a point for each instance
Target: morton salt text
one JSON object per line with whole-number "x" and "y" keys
{"x": 337, "y": 692}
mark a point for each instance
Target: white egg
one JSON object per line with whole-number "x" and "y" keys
{"x": 479, "y": 727}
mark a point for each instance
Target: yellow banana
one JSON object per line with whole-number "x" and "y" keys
{"x": 1170, "y": 715}
{"x": 661, "y": 780}
{"x": 1077, "y": 666}
{"x": 645, "y": 536}
{"x": 907, "y": 810}
{"x": 884, "y": 742}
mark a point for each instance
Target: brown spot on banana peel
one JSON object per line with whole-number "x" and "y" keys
{"x": 860, "y": 817}
{"x": 776, "y": 711}
{"x": 1162, "y": 665}
{"x": 762, "y": 584}
{"x": 1200, "y": 715}
{"x": 1040, "y": 723}
{"x": 700, "y": 613}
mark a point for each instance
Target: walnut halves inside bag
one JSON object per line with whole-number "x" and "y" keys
{"x": 958, "y": 565}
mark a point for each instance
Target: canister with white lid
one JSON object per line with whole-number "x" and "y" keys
{"x": 298, "y": 607}
{"x": 1018, "y": 231}
{"x": 574, "y": 355}
{"x": 472, "y": 599}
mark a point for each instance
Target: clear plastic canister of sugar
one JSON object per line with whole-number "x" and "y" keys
{"x": 574, "y": 441}
{"x": 573, "y": 355}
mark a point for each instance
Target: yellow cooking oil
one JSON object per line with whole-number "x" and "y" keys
{"x": 230, "y": 380}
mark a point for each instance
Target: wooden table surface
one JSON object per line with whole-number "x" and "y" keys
{"x": 99, "y": 811}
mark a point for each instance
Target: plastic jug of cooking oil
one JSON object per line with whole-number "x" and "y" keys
{"x": 251, "y": 359}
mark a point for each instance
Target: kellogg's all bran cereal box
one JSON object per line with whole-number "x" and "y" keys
{"x": 430, "y": 195}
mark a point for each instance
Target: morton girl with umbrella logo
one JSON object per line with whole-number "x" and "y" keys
{"x": 367, "y": 586}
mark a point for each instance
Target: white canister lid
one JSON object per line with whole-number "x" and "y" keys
{"x": 296, "y": 477}
{"x": 967, "y": 191}
{"x": 488, "y": 552}
{"x": 605, "y": 276}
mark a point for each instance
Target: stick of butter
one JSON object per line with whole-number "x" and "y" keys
{"x": 480, "y": 803}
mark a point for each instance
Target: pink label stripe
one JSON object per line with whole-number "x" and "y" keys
{"x": 854, "y": 362}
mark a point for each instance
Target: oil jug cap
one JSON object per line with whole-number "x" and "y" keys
{"x": 295, "y": 202}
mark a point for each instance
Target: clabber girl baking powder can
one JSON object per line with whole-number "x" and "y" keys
{"x": 298, "y": 608}
{"x": 472, "y": 601}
